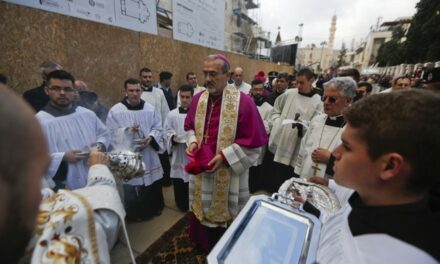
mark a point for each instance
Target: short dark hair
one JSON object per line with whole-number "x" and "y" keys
{"x": 367, "y": 85}
{"x": 256, "y": 81}
{"x": 131, "y": 81}
{"x": 165, "y": 75}
{"x": 307, "y": 73}
{"x": 387, "y": 124}
{"x": 291, "y": 77}
{"x": 60, "y": 75}
{"x": 188, "y": 74}
{"x": 283, "y": 75}
{"x": 352, "y": 72}
{"x": 186, "y": 88}
{"x": 144, "y": 70}
{"x": 3, "y": 79}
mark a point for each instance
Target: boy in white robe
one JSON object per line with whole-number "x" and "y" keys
{"x": 389, "y": 216}
{"x": 175, "y": 137}
{"x": 70, "y": 130}
{"x": 135, "y": 125}
{"x": 156, "y": 97}
{"x": 324, "y": 133}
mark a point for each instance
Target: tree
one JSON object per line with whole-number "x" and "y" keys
{"x": 341, "y": 56}
{"x": 390, "y": 53}
{"x": 423, "y": 38}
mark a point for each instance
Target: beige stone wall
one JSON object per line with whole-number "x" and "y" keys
{"x": 101, "y": 55}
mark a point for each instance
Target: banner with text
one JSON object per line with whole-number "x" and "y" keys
{"x": 138, "y": 15}
{"x": 199, "y": 22}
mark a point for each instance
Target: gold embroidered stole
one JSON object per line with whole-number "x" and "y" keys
{"x": 65, "y": 230}
{"x": 218, "y": 213}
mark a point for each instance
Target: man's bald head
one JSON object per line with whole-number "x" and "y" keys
{"x": 81, "y": 86}
{"x": 237, "y": 76}
{"x": 24, "y": 160}
{"x": 238, "y": 70}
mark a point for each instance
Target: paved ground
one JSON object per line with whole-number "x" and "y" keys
{"x": 143, "y": 234}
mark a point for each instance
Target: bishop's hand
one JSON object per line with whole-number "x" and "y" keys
{"x": 215, "y": 163}
{"x": 191, "y": 148}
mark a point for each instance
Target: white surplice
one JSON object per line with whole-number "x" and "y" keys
{"x": 82, "y": 224}
{"x": 76, "y": 131}
{"x": 283, "y": 140}
{"x": 244, "y": 87}
{"x": 265, "y": 111}
{"x": 337, "y": 244}
{"x": 174, "y": 126}
{"x": 318, "y": 135}
{"x": 119, "y": 120}
{"x": 157, "y": 99}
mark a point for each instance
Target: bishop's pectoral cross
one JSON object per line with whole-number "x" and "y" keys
{"x": 205, "y": 135}
{"x": 315, "y": 169}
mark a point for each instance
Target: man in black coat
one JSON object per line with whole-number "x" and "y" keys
{"x": 36, "y": 97}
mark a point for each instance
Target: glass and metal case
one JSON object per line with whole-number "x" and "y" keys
{"x": 269, "y": 231}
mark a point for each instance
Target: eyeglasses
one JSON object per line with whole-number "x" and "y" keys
{"x": 331, "y": 99}
{"x": 66, "y": 89}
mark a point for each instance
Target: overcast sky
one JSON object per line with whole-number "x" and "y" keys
{"x": 354, "y": 17}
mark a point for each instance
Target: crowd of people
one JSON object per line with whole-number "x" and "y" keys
{"x": 373, "y": 145}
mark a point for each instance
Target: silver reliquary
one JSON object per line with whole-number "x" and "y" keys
{"x": 268, "y": 230}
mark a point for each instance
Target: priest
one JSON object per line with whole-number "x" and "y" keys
{"x": 325, "y": 130}
{"x": 70, "y": 131}
{"x": 135, "y": 125}
{"x": 78, "y": 229}
{"x": 83, "y": 224}
{"x": 225, "y": 136}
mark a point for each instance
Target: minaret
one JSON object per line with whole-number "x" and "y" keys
{"x": 329, "y": 49}
{"x": 278, "y": 39}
